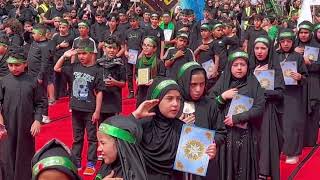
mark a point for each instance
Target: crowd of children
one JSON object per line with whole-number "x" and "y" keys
{"x": 90, "y": 50}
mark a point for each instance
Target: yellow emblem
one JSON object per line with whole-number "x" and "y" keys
{"x": 287, "y": 73}
{"x": 265, "y": 83}
{"x": 194, "y": 150}
{"x": 240, "y": 109}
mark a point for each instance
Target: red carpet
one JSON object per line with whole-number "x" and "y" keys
{"x": 61, "y": 129}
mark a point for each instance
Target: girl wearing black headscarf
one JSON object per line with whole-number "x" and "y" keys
{"x": 238, "y": 158}
{"x": 294, "y": 102}
{"x": 149, "y": 60}
{"x": 192, "y": 81}
{"x": 271, "y": 138}
{"x": 118, "y": 143}
{"x": 312, "y": 87}
{"x": 162, "y": 131}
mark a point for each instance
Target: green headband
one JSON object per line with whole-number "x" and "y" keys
{"x": 316, "y": 27}
{"x": 305, "y": 26}
{"x": 117, "y": 132}
{"x": 98, "y": 177}
{"x": 262, "y": 39}
{"x": 64, "y": 23}
{"x": 39, "y": 31}
{"x": 150, "y": 40}
{"x": 113, "y": 45}
{"x": 83, "y": 24}
{"x": 156, "y": 92}
{"x": 13, "y": 60}
{"x": 238, "y": 54}
{"x": 53, "y": 161}
{"x": 216, "y": 26}
{"x": 286, "y": 35}
{"x": 3, "y": 44}
{"x": 205, "y": 26}
{"x": 183, "y": 69}
{"x": 86, "y": 49}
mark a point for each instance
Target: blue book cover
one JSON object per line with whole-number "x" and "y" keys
{"x": 288, "y": 67}
{"x": 311, "y": 53}
{"x": 191, "y": 154}
{"x": 240, "y": 104}
{"x": 132, "y": 56}
{"x": 208, "y": 66}
{"x": 265, "y": 78}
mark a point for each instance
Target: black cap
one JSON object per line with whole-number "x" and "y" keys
{"x": 54, "y": 155}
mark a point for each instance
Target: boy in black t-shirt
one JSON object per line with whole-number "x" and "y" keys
{"x": 114, "y": 77}
{"x": 86, "y": 98}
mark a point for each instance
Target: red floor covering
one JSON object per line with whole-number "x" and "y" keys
{"x": 61, "y": 129}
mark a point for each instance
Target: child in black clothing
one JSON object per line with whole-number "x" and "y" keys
{"x": 114, "y": 77}
{"x": 21, "y": 109}
{"x": 86, "y": 98}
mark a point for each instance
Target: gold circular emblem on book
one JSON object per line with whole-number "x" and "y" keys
{"x": 264, "y": 82}
{"x": 287, "y": 73}
{"x": 240, "y": 109}
{"x": 194, "y": 150}
{"x": 311, "y": 57}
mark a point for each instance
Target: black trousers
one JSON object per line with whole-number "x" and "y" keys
{"x": 81, "y": 121}
{"x": 130, "y": 70}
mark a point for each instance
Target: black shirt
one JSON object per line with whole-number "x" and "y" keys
{"x": 58, "y": 39}
{"x": 85, "y": 82}
{"x": 134, "y": 38}
{"x": 112, "y": 96}
{"x": 38, "y": 59}
{"x": 53, "y": 12}
{"x": 97, "y": 31}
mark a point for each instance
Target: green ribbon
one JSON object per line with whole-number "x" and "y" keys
{"x": 238, "y": 54}
{"x": 39, "y": 31}
{"x": 184, "y": 67}
{"x": 205, "y": 26}
{"x": 13, "y": 60}
{"x": 305, "y": 26}
{"x": 156, "y": 92}
{"x": 86, "y": 49}
{"x": 113, "y": 45}
{"x": 3, "y": 44}
{"x": 317, "y": 27}
{"x": 262, "y": 39}
{"x": 286, "y": 35}
{"x": 117, "y": 132}
{"x": 151, "y": 41}
{"x": 216, "y": 26}
{"x": 64, "y": 23}
{"x": 98, "y": 177}
{"x": 83, "y": 24}
{"x": 54, "y": 161}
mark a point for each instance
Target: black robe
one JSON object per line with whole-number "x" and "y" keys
{"x": 294, "y": 111}
{"x": 312, "y": 93}
{"x": 271, "y": 137}
{"x": 238, "y": 157}
{"x": 206, "y": 114}
{"x": 21, "y": 106}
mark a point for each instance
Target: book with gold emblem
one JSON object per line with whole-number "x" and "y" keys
{"x": 311, "y": 53}
{"x": 208, "y": 66}
{"x": 265, "y": 78}
{"x": 143, "y": 76}
{"x": 288, "y": 67}
{"x": 191, "y": 155}
{"x": 240, "y": 104}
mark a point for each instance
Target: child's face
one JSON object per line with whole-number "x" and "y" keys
{"x": 56, "y": 22}
{"x": 170, "y": 104}
{"x": 111, "y": 51}
{"x": 27, "y": 27}
{"x": 99, "y": 19}
{"x": 134, "y": 23}
{"x": 217, "y": 32}
{"x": 107, "y": 147}
{"x": 181, "y": 43}
{"x": 17, "y": 68}
{"x": 84, "y": 57}
{"x": 52, "y": 174}
{"x": 63, "y": 29}
{"x": 36, "y": 36}
{"x": 3, "y": 50}
{"x": 148, "y": 48}
{"x": 112, "y": 23}
{"x": 83, "y": 31}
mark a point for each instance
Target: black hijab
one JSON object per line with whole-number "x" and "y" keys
{"x": 54, "y": 155}
{"x": 130, "y": 163}
{"x": 286, "y": 34}
{"x": 161, "y": 135}
{"x": 272, "y": 60}
{"x": 307, "y": 26}
{"x": 184, "y": 78}
{"x": 315, "y": 30}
